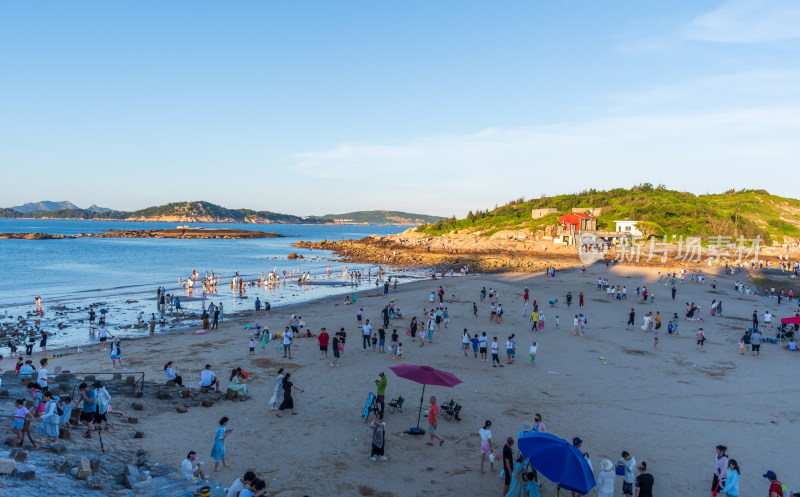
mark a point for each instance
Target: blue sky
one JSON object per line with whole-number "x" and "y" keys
{"x": 432, "y": 107}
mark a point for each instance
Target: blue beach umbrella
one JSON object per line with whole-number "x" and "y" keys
{"x": 558, "y": 460}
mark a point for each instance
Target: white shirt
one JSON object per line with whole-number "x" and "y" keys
{"x": 287, "y": 337}
{"x": 42, "y": 377}
{"x": 187, "y": 470}
{"x": 367, "y": 329}
{"x": 533, "y": 349}
{"x": 206, "y": 376}
{"x": 482, "y": 341}
{"x": 102, "y": 333}
{"x": 236, "y": 487}
{"x": 767, "y": 317}
{"x": 494, "y": 347}
{"x": 485, "y": 434}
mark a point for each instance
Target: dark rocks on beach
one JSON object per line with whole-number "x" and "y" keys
{"x": 25, "y": 475}
{"x": 117, "y": 376}
{"x": 18, "y": 455}
{"x": 89, "y": 377}
{"x": 133, "y": 421}
{"x": 130, "y": 381}
{"x": 138, "y": 434}
{"x": 57, "y": 448}
{"x": 60, "y": 464}
{"x": 12, "y": 441}
{"x": 181, "y": 409}
{"x": 137, "y": 406}
{"x": 64, "y": 433}
{"x": 207, "y": 403}
{"x": 162, "y": 395}
{"x": 94, "y": 482}
{"x": 3, "y": 393}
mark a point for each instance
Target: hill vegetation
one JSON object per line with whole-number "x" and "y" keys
{"x": 660, "y": 212}
{"x": 202, "y": 211}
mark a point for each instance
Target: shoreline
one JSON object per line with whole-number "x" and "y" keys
{"x": 190, "y": 233}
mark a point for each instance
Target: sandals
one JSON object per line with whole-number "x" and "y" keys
{"x": 87, "y": 435}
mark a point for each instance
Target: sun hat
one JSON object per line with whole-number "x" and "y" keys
{"x": 527, "y": 426}
{"x": 605, "y": 465}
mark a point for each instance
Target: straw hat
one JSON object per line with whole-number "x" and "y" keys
{"x": 605, "y": 465}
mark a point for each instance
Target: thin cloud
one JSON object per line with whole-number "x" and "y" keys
{"x": 747, "y": 21}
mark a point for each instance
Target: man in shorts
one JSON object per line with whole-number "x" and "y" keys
{"x": 433, "y": 422}
{"x": 631, "y": 317}
{"x": 755, "y": 342}
{"x": 508, "y": 463}
{"x": 287, "y": 342}
{"x": 208, "y": 378}
{"x": 89, "y": 408}
{"x": 482, "y": 345}
{"x": 323, "y": 343}
{"x": 380, "y": 385}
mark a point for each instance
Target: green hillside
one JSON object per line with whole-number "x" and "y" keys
{"x": 384, "y": 217}
{"x": 660, "y": 211}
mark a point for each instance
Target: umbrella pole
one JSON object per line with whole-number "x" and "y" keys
{"x": 418, "y": 430}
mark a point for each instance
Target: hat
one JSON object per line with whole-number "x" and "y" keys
{"x": 576, "y": 441}
{"x": 605, "y": 465}
{"x": 97, "y": 384}
{"x": 527, "y": 426}
{"x": 770, "y": 475}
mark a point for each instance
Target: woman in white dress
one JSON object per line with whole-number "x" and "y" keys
{"x": 277, "y": 396}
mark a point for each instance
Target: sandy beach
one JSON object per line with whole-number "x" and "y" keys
{"x": 668, "y": 407}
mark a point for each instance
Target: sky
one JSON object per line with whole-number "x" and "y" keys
{"x": 318, "y": 107}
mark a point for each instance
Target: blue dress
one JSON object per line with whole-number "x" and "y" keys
{"x": 49, "y": 425}
{"x": 517, "y": 487}
{"x": 218, "y": 450}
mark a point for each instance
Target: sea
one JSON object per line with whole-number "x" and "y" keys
{"x": 122, "y": 274}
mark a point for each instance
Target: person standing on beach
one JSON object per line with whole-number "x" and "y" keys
{"x": 323, "y": 343}
{"x": 116, "y": 354}
{"x": 378, "y": 426}
{"x": 41, "y": 376}
{"x": 380, "y": 385}
{"x": 580, "y": 300}
{"x": 366, "y": 333}
{"x": 756, "y": 340}
{"x": 433, "y": 422}
{"x": 508, "y": 464}
{"x": 629, "y": 463}
{"x": 412, "y": 328}
{"x": 482, "y": 345}
{"x": 277, "y": 396}
{"x": 382, "y": 339}
{"x": 287, "y": 342}
{"x": 495, "y": 356}
{"x": 218, "y": 449}
{"x": 701, "y": 338}
{"x": 486, "y": 445}
{"x": 336, "y": 351}
{"x": 631, "y": 318}
{"x": 102, "y": 334}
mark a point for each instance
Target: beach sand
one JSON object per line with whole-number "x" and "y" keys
{"x": 668, "y": 407}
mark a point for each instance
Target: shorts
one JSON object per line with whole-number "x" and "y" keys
{"x": 509, "y": 351}
{"x": 627, "y": 488}
{"x": 87, "y": 416}
{"x": 287, "y": 346}
{"x": 380, "y": 399}
{"x": 700, "y": 342}
{"x": 630, "y": 322}
{"x": 485, "y": 447}
{"x": 756, "y": 348}
{"x": 99, "y": 418}
{"x": 381, "y": 342}
{"x": 431, "y": 428}
{"x": 103, "y": 339}
{"x": 483, "y": 350}
{"x": 18, "y": 424}
{"x": 507, "y": 478}
{"x": 115, "y": 357}
{"x": 323, "y": 348}
{"x": 336, "y": 352}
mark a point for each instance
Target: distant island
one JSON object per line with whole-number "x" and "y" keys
{"x": 206, "y": 212}
{"x": 195, "y": 233}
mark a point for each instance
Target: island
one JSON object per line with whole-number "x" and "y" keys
{"x": 196, "y": 233}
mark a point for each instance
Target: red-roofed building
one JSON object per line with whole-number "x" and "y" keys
{"x": 577, "y": 221}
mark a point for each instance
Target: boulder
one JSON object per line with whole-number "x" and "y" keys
{"x": 137, "y": 406}
{"x": 205, "y": 389}
{"x": 207, "y": 403}
{"x": 130, "y": 381}
{"x": 138, "y": 434}
{"x": 6, "y": 466}
{"x": 162, "y": 395}
{"x": 84, "y": 469}
{"x": 60, "y": 464}
{"x": 89, "y": 378}
{"x": 26, "y": 475}
{"x": 181, "y": 409}
{"x": 132, "y": 475}
{"x": 64, "y": 433}
{"x": 57, "y": 448}
{"x": 94, "y": 482}
{"x": 18, "y": 455}
{"x": 133, "y": 421}
{"x": 12, "y": 441}
{"x": 117, "y": 376}
{"x": 4, "y": 393}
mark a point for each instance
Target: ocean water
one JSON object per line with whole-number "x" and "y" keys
{"x": 122, "y": 274}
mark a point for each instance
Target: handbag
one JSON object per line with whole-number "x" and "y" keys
{"x": 620, "y": 470}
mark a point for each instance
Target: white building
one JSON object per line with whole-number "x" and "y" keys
{"x": 628, "y": 227}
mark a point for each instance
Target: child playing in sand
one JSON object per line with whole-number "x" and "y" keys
{"x": 475, "y": 341}
{"x": 556, "y": 321}
{"x": 20, "y": 414}
{"x": 532, "y": 353}
{"x": 116, "y": 357}
{"x": 252, "y": 345}
{"x": 400, "y": 351}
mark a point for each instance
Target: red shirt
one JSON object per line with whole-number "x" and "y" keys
{"x": 323, "y": 339}
{"x": 433, "y": 415}
{"x": 776, "y": 487}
